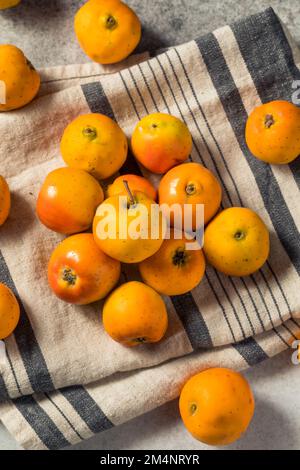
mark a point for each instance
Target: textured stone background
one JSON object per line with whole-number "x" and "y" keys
{"x": 44, "y": 30}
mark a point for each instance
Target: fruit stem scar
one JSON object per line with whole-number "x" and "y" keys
{"x": 111, "y": 22}
{"x": 239, "y": 235}
{"x": 89, "y": 132}
{"x": 140, "y": 340}
{"x": 269, "y": 121}
{"x": 69, "y": 276}
{"x": 29, "y": 64}
{"x": 193, "y": 408}
{"x": 130, "y": 195}
{"x": 190, "y": 189}
{"x": 179, "y": 257}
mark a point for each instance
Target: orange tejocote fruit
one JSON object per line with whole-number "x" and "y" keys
{"x": 8, "y": 4}
{"x": 161, "y": 141}
{"x": 79, "y": 272}
{"x": 9, "y": 311}
{"x": 236, "y": 242}
{"x": 19, "y": 81}
{"x": 174, "y": 269}
{"x": 129, "y": 229}
{"x": 68, "y": 200}
{"x": 94, "y": 143}
{"x": 107, "y": 30}
{"x": 273, "y": 132}
{"x": 190, "y": 183}
{"x": 135, "y": 314}
{"x": 136, "y": 183}
{"x": 216, "y": 406}
{"x": 4, "y": 200}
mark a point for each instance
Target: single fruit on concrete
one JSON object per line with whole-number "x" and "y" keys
{"x": 107, "y": 30}
{"x": 216, "y": 406}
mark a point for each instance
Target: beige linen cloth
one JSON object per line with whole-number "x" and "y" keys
{"x": 62, "y": 378}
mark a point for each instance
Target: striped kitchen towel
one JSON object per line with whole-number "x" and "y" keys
{"x": 62, "y": 378}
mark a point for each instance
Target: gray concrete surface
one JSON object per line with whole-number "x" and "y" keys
{"x": 43, "y": 29}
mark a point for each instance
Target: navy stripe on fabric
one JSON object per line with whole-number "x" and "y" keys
{"x": 28, "y": 346}
{"x": 3, "y": 391}
{"x": 274, "y": 202}
{"x": 270, "y": 63}
{"x": 250, "y": 350}
{"x": 87, "y": 408}
{"x": 38, "y": 419}
{"x": 96, "y": 99}
{"x": 64, "y": 416}
{"x": 192, "y": 320}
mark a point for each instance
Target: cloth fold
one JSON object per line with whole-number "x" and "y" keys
{"x": 63, "y": 379}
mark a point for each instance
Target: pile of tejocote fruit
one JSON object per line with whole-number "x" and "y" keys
{"x": 85, "y": 267}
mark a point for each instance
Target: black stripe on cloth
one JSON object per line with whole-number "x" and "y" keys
{"x": 148, "y": 87}
{"x": 251, "y": 351}
{"x": 38, "y": 419}
{"x": 87, "y": 408}
{"x": 28, "y": 346}
{"x": 13, "y": 371}
{"x": 3, "y": 391}
{"x": 96, "y": 99}
{"x": 274, "y": 202}
{"x": 192, "y": 320}
{"x": 158, "y": 86}
{"x": 271, "y": 63}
